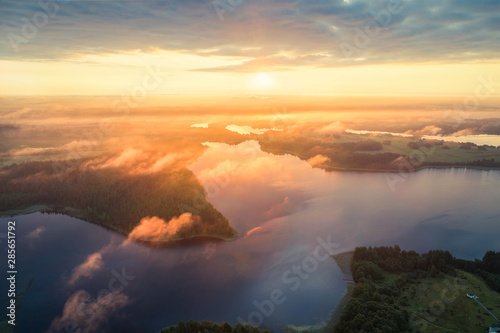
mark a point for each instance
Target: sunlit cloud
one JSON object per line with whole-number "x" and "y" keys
{"x": 155, "y": 229}
{"x": 427, "y": 130}
{"x": 318, "y": 160}
{"x": 40, "y": 151}
{"x": 335, "y": 127}
{"x": 244, "y": 163}
{"x": 279, "y": 209}
{"x": 251, "y": 231}
{"x": 33, "y": 151}
{"x": 128, "y": 157}
{"x": 201, "y": 125}
{"x": 135, "y": 161}
{"x": 91, "y": 265}
{"x": 86, "y": 315}
{"x": 195, "y": 254}
{"x": 245, "y": 129}
{"x": 35, "y": 233}
{"x": 88, "y": 268}
{"x": 288, "y": 43}
{"x": 375, "y": 133}
{"x": 266, "y": 31}
{"x": 162, "y": 163}
{"x": 467, "y": 131}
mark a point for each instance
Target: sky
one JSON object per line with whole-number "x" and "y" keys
{"x": 189, "y": 47}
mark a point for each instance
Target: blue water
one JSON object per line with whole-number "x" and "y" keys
{"x": 280, "y": 206}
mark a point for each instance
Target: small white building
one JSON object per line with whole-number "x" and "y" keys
{"x": 471, "y": 295}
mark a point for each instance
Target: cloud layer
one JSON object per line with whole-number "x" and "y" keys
{"x": 274, "y": 35}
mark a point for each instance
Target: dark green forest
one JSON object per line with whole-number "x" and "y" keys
{"x": 366, "y": 154}
{"x": 349, "y": 155}
{"x": 488, "y": 268}
{"x": 372, "y": 307}
{"x": 367, "y": 263}
{"x": 371, "y": 155}
{"x": 210, "y": 327}
{"x": 111, "y": 197}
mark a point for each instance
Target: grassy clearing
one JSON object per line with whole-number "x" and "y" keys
{"x": 399, "y": 145}
{"x": 25, "y": 211}
{"x": 440, "y": 304}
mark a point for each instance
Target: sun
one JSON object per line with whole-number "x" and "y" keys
{"x": 262, "y": 81}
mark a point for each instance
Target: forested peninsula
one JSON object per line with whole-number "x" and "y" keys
{"x": 115, "y": 199}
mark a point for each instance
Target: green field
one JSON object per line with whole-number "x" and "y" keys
{"x": 399, "y": 145}
{"x": 403, "y": 291}
{"x": 441, "y": 305}
{"x": 379, "y": 153}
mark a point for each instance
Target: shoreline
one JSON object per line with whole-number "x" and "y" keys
{"x": 79, "y": 214}
{"x": 416, "y": 169}
{"x": 343, "y": 261}
{"x": 405, "y": 170}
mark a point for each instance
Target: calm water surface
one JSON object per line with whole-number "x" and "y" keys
{"x": 280, "y": 206}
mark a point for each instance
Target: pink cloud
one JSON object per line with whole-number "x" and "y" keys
{"x": 85, "y": 315}
{"x": 252, "y": 231}
{"x": 427, "y": 130}
{"x": 465, "y": 132}
{"x": 127, "y": 157}
{"x": 138, "y": 161}
{"x": 87, "y": 269}
{"x": 335, "y": 127}
{"x": 157, "y": 229}
{"x": 35, "y": 233}
{"x": 279, "y": 209}
{"x": 318, "y": 160}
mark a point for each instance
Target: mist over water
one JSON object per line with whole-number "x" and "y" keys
{"x": 280, "y": 206}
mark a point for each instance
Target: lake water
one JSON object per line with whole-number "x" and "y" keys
{"x": 284, "y": 210}
{"x": 478, "y": 139}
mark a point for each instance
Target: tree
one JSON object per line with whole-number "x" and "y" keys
{"x": 491, "y": 262}
{"x": 227, "y": 328}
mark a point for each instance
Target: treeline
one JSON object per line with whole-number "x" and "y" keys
{"x": 361, "y": 155}
{"x": 364, "y": 145}
{"x": 488, "y": 268}
{"x": 348, "y": 155}
{"x": 112, "y": 197}
{"x": 368, "y": 263}
{"x": 210, "y": 327}
{"x": 372, "y": 307}
{"x": 376, "y": 161}
{"x": 395, "y": 260}
{"x": 311, "y": 145}
{"x": 424, "y": 143}
{"x": 485, "y": 162}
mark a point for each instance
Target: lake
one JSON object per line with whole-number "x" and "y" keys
{"x": 478, "y": 139}
{"x": 288, "y": 215}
